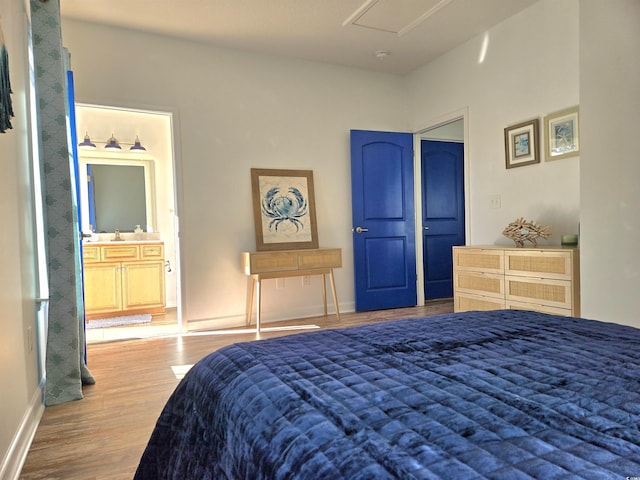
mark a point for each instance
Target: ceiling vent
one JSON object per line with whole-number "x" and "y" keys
{"x": 394, "y": 17}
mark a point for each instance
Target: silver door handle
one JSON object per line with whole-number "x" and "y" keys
{"x": 361, "y": 230}
{"x": 426, "y": 228}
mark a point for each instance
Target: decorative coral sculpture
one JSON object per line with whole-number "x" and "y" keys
{"x": 522, "y": 231}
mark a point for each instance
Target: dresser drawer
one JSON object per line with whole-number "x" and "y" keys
{"x": 554, "y": 293}
{"x": 538, "y": 263}
{"x": 478, "y": 260}
{"x": 478, "y": 283}
{"x": 464, "y": 302}
{"x": 538, "y": 307}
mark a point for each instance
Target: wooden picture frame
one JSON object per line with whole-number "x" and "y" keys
{"x": 284, "y": 209}
{"x": 562, "y": 134}
{"x": 521, "y": 144}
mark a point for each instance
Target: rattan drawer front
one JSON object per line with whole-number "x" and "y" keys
{"x": 273, "y": 262}
{"x": 538, "y": 263}
{"x": 480, "y": 283}
{"x": 477, "y": 259}
{"x": 538, "y": 308}
{"x": 321, "y": 258}
{"x": 463, "y": 302}
{"x": 556, "y": 293}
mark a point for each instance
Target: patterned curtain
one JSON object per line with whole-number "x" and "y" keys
{"x": 6, "y": 109}
{"x": 66, "y": 370}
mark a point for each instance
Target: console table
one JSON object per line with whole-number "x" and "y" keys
{"x": 260, "y": 266}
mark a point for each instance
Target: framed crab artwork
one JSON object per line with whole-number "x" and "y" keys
{"x": 284, "y": 209}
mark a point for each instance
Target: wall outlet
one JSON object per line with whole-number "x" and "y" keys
{"x": 279, "y": 283}
{"x": 306, "y": 280}
{"x": 495, "y": 202}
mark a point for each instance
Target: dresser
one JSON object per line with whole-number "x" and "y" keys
{"x": 289, "y": 263}
{"x": 123, "y": 278}
{"x": 545, "y": 279}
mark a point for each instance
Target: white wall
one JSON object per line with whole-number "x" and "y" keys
{"x": 237, "y": 111}
{"x": 610, "y": 172}
{"x": 530, "y": 69}
{"x": 20, "y": 397}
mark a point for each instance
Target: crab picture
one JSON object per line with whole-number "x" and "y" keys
{"x": 284, "y": 207}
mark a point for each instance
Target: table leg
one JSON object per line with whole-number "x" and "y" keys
{"x": 333, "y": 291}
{"x": 324, "y": 292}
{"x": 250, "y": 289}
{"x": 259, "y": 302}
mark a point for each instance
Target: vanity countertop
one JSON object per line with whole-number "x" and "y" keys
{"x": 125, "y": 237}
{"x": 119, "y": 242}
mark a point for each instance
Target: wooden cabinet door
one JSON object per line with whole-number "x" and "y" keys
{"x": 102, "y": 288}
{"x": 142, "y": 285}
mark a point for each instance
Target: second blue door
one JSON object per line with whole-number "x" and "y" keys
{"x": 442, "y": 213}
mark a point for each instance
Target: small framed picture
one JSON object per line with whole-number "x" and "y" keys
{"x": 284, "y": 209}
{"x": 521, "y": 144}
{"x": 562, "y": 133}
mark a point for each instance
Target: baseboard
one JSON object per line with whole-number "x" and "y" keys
{"x": 19, "y": 448}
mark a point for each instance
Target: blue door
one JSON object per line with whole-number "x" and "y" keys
{"x": 442, "y": 213}
{"x": 383, "y": 220}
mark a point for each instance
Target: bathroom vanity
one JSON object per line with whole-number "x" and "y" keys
{"x": 123, "y": 278}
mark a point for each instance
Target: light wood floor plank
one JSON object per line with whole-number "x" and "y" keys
{"x": 103, "y": 435}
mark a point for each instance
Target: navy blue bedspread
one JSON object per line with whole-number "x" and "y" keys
{"x": 502, "y": 394}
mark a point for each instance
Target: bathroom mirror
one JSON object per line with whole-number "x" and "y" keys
{"x": 116, "y": 197}
{"x": 116, "y": 194}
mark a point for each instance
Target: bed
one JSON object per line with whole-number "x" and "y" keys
{"x": 502, "y": 394}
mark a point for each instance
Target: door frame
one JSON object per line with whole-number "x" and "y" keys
{"x": 174, "y": 134}
{"x": 461, "y": 114}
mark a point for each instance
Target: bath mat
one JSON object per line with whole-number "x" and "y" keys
{"x": 119, "y": 321}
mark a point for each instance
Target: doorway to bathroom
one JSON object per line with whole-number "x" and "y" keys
{"x": 115, "y": 138}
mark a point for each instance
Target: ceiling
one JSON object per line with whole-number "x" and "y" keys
{"x": 343, "y": 32}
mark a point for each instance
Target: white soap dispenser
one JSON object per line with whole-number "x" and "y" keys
{"x": 138, "y": 232}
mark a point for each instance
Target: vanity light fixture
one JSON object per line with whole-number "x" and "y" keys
{"x": 87, "y": 143}
{"x": 137, "y": 147}
{"x": 113, "y": 143}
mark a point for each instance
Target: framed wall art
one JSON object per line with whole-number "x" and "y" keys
{"x": 521, "y": 144}
{"x": 284, "y": 209}
{"x": 562, "y": 134}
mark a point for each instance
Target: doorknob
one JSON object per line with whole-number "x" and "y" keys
{"x": 426, "y": 228}
{"x": 361, "y": 230}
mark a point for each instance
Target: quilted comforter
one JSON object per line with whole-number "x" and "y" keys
{"x": 503, "y": 395}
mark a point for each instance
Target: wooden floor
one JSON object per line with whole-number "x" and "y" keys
{"x": 103, "y": 435}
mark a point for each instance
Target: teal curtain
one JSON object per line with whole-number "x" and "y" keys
{"x": 6, "y": 109}
{"x": 66, "y": 370}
